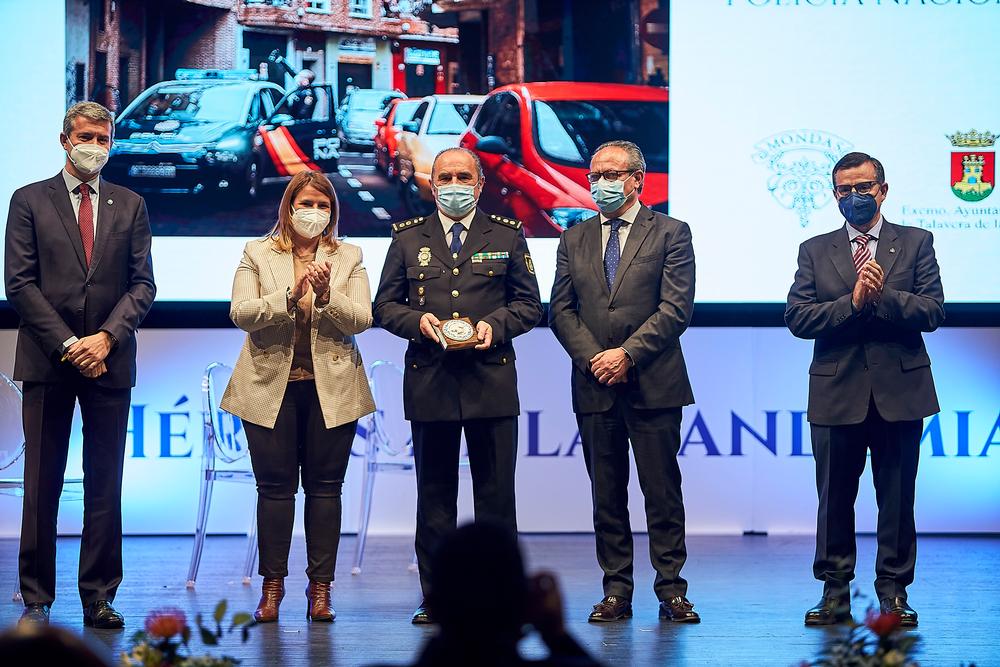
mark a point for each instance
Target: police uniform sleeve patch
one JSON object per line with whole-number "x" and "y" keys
{"x": 528, "y": 263}
{"x": 506, "y": 222}
{"x": 407, "y": 224}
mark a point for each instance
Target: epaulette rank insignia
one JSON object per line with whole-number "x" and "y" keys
{"x": 406, "y": 224}
{"x": 509, "y": 222}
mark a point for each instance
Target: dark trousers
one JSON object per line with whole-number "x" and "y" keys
{"x": 492, "y": 445}
{"x": 840, "y": 453}
{"x": 655, "y": 438}
{"x": 48, "y": 417}
{"x": 299, "y": 441}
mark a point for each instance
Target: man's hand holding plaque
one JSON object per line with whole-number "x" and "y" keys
{"x": 456, "y": 334}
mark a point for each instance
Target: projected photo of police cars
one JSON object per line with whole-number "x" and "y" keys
{"x": 223, "y": 136}
{"x": 222, "y": 132}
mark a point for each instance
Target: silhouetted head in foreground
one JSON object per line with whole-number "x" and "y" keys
{"x": 47, "y": 645}
{"x": 478, "y": 587}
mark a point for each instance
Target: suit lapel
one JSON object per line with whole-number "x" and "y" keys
{"x": 887, "y": 250}
{"x": 840, "y": 254}
{"x": 435, "y": 240}
{"x": 593, "y": 250}
{"x": 64, "y": 207}
{"x": 476, "y": 239}
{"x": 640, "y": 228}
{"x": 106, "y": 210}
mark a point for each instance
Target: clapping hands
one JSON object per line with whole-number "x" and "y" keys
{"x": 868, "y": 289}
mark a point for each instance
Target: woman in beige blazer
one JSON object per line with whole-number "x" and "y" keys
{"x": 299, "y": 384}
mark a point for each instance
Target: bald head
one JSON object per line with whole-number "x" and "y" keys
{"x": 457, "y": 159}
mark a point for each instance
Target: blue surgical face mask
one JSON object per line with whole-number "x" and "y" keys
{"x": 857, "y": 209}
{"x": 608, "y": 195}
{"x": 456, "y": 200}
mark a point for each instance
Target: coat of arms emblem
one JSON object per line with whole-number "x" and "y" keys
{"x": 973, "y": 167}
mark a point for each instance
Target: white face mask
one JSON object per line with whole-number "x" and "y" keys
{"x": 310, "y": 222}
{"x": 88, "y": 158}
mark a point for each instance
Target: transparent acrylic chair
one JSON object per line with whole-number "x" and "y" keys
{"x": 388, "y": 443}
{"x": 12, "y": 455}
{"x": 224, "y": 459}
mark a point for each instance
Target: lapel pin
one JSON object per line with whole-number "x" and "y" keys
{"x": 892, "y": 250}
{"x": 110, "y": 202}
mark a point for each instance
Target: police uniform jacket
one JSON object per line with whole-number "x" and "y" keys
{"x": 492, "y": 280}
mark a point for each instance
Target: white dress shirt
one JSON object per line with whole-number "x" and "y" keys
{"x": 873, "y": 234}
{"x": 627, "y": 218}
{"x": 447, "y": 223}
{"x": 72, "y": 183}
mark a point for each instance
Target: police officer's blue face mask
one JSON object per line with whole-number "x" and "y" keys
{"x": 609, "y": 195}
{"x": 857, "y": 209}
{"x": 456, "y": 200}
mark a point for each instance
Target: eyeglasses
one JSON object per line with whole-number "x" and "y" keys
{"x": 862, "y": 188}
{"x": 610, "y": 175}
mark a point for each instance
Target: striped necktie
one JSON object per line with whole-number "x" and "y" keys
{"x": 861, "y": 252}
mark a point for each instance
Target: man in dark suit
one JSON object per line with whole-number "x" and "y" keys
{"x": 864, "y": 293}
{"x": 459, "y": 262}
{"x": 622, "y": 297}
{"x": 78, "y": 272}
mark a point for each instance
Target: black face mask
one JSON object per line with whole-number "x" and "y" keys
{"x": 857, "y": 209}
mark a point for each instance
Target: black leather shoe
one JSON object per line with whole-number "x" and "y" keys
{"x": 679, "y": 610}
{"x": 422, "y": 616}
{"x": 829, "y": 611}
{"x": 102, "y": 615}
{"x": 34, "y": 614}
{"x": 611, "y": 608}
{"x": 898, "y": 606}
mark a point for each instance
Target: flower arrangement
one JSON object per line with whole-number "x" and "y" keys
{"x": 877, "y": 642}
{"x": 165, "y": 639}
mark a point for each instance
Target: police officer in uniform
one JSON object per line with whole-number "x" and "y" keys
{"x": 459, "y": 262}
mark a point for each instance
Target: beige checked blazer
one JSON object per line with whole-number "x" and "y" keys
{"x": 259, "y": 307}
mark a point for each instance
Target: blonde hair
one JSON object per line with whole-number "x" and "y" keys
{"x": 281, "y": 232}
{"x": 89, "y": 110}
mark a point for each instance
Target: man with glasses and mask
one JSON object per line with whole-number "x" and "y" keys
{"x": 463, "y": 279}
{"x": 864, "y": 293}
{"x": 79, "y": 275}
{"x": 622, "y": 297}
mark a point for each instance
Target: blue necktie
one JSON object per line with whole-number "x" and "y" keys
{"x": 456, "y": 237}
{"x": 613, "y": 252}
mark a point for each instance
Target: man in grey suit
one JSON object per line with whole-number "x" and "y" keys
{"x": 864, "y": 293}
{"x": 79, "y": 275}
{"x": 621, "y": 299}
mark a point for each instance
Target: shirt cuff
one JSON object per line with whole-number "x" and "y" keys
{"x": 69, "y": 342}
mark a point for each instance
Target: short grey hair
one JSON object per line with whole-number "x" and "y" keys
{"x": 89, "y": 110}
{"x": 636, "y": 161}
{"x": 475, "y": 158}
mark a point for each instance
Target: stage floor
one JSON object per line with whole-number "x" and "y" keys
{"x": 750, "y": 591}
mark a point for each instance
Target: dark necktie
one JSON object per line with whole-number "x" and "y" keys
{"x": 613, "y": 252}
{"x": 456, "y": 238}
{"x": 861, "y": 253}
{"x": 86, "y": 221}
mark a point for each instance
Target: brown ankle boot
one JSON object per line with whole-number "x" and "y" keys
{"x": 320, "y": 610}
{"x": 271, "y": 593}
